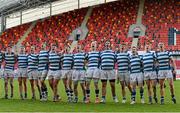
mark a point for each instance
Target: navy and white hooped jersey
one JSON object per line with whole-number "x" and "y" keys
{"x": 43, "y": 60}
{"x": 123, "y": 62}
{"x": 148, "y": 62}
{"x": 163, "y": 59}
{"x": 107, "y": 60}
{"x": 79, "y": 61}
{"x": 9, "y": 61}
{"x": 67, "y": 61}
{"x": 1, "y": 58}
{"x": 135, "y": 64}
{"x": 54, "y": 61}
{"x": 22, "y": 61}
{"x": 32, "y": 62}
{"x": 93, "y": 59}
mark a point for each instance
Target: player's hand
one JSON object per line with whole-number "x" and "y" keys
{"x": 174, "y": 71}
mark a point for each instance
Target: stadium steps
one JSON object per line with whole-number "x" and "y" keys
{"x": 73, "y": 45}
{"x": 135, "y": 42}
{"x": 140, "y": 12}
{"x": 26, "y": 33}
{"x": 89, "y": 12}
{"x": 138, "y": 21}
{"x": 83, "y": 27}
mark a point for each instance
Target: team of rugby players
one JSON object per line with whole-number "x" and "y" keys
{"x": 131, "y": 70}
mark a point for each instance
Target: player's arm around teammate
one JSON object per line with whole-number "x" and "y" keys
{"x": 93, "y": 72}
{"x": 22, "y": 59}
{"x": 164, "y": 62}
{"x": 107, "y": 71}
{"x": 136, "y": 76}
{"x": 33, "y": 71}
{"x": 123, "y": 70}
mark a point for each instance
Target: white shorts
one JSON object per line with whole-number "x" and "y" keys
{"x": 54, "y": 74}
{"x": 162, "y": 74}
{"x": 108, "y": 75}
{"x": 33, "y": 75}
{"x": 136, "y": 77}
{"x": 78, "y": 75}
{"x": 66, "y": 74}
{"x": 150, "y": 75}
{"x": 93, "y": 74}
{"x": 22, "y": 72}
{"x": 123, "y": 77}
{"x": 42, "y": 74}
{"x": 8, "y": 73}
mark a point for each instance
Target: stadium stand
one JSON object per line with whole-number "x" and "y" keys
{"x": 158, "y": 17}
{"x": 55, "y": 29}
{"x": 108, "y": 21}
{"x": 111, "y": 22}
{"x": 11, "y": 36}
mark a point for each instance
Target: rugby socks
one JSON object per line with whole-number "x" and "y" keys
{"x": 114, "y": 97}
{"x": 162, "y": 99}
{"x": 97, "y": 93}
{"x": 124, "y": 98}
{"x": 21, "y": 96}
{"x": 46, "y": 91}
{"x": 6, "y": 96}
{"x": 88, "y": 93}
{"x": 141, "y": 93}
{"x": 84, "y": 99}
{"x": 25, "y": 95}
{"x": 104, "y": 97}
{"x": 133, "y": 97}
{"x": 68, "y": 93}
{"x": 173, "y": 99}
{"x": 155, "y": 96}
{"x": 150, "y": 99}
{"x": 71, "y": 93}
{"x": 75, "y": 99}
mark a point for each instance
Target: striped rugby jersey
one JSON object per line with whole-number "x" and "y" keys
{"x": 1, "y": 58}
{"x": 123, "y": 62}
{"x": 67, "y": 61}
{"x": 135, "y": 64}
{"x": 93, "y": 59}
{"x": 9, "y": 61}
{"x": 22, "y": 60}
{"x": 54, "y": 61}
{"x": 107, "y": 60}
{"x": 79, "y": 61}
{"x": 163, "y": 59}
{"x": 32, "y": 62}
{"x": 148, "y": 62}
{"x": 43, "y": 60}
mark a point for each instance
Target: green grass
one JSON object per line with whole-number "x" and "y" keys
{"x": 17, "y": 105}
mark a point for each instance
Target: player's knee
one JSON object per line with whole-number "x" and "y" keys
{"x": 11, "y": 84}
{"x": 148, "y": 87}
{"x": 6, "y": 83}
{"x": 20, "y": 83}
{"x": 162, "y": 86}
{"x": 103, "y": 85}
{"x": 122, "y": 87}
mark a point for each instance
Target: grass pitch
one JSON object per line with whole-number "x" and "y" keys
{"x": 17, "y": 105}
